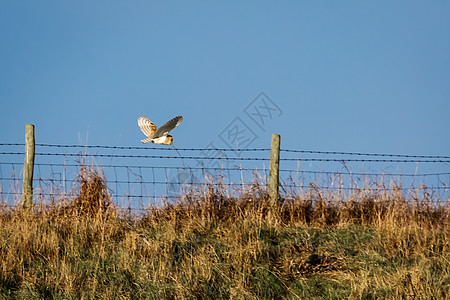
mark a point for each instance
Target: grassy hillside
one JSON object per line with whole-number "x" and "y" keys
{"x": 370, "y": 245}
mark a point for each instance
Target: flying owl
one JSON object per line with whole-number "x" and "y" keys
{"x": 158, "y": 135}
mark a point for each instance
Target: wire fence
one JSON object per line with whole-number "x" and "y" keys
{"x": 138, "y": 177}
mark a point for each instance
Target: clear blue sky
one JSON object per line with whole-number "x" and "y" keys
{"x": 369, "y": 76}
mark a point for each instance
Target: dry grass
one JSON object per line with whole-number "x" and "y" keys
{"x": 368, "y": 245}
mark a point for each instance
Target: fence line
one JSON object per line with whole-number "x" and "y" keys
{"x": 233, "y": 150}
{"x": 104, "y": 166}
{"x": 237, "y": 158}
{"x": 364, "y": 154}
{"x": 206, "y": 183}
{"x": 165, "y": 175}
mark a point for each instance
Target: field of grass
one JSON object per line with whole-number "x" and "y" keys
{"x": 371, "y": 244}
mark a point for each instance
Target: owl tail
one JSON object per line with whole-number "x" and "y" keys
{"x": 146, "y": 140}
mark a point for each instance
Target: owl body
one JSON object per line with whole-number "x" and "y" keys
{"x": 158, "y": 135}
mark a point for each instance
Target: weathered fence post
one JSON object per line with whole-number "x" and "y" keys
{"x": 28, "y": 168}
{"x": 274, "y": 169}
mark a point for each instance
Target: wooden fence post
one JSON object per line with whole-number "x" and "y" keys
{"x": 274, "y": 169}
{"x": 28, "y": 168}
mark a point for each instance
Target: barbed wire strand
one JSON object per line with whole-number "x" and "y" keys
{"x": 364, "y": 154}
{"x": 238, "y": 169}
{"x": 232, "y": 150}
{"x": 235, "y": 158}
{"x": 41, "y": 192}
{"x": 139, "y": 147}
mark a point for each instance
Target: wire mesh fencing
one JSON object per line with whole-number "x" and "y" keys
{"x": 138, "y": 177}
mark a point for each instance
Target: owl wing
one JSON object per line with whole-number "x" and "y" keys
{"x": 147, "y": 127}
{"x": 166, "y": 128}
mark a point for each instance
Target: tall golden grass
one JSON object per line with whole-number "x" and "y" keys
{"x": 370, "y": 244}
